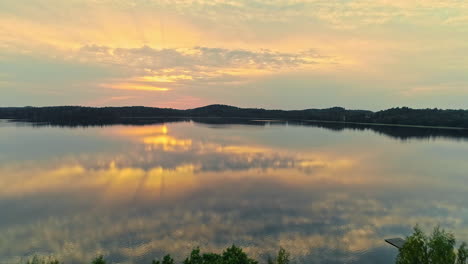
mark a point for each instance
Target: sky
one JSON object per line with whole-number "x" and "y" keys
{"x": 277, "y": 54}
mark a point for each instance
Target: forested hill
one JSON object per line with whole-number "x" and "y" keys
{"x": 106, "y": 115}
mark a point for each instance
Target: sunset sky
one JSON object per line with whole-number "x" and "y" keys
{"x": 289, "y": 54}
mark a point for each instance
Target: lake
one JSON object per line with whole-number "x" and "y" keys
{"x": 327, "y": 193}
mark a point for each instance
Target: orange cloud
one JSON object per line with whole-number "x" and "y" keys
{"x": 137, "y": 87}
{"x": 164, "y": 78}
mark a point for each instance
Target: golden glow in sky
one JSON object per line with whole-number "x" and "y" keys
{"x": 276, "y": 54}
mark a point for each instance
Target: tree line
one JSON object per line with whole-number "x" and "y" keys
{"x": 109, "y": 115}
{"x": 231, "y": 255}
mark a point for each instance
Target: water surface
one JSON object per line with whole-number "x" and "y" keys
{"x": 324, "y": 192}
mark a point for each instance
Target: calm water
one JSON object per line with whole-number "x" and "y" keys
{"x": 132, "y": 193}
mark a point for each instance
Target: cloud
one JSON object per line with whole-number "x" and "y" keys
{"x": 145, "y": 191}
{"x": 199, "y": 58}
{"x": 218, "y": 51}
{"x": 137, "y": 87}
{"x": 336, "y": 13}
{"x": 151, "y": 69}
{"x": 145, "y": 220}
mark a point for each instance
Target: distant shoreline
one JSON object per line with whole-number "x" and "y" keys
{"x": 402, "y": 117}
{"x": 263, "y": 120}
{"x": 392, "y": 125}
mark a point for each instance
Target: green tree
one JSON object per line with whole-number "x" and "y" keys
{"x": 235, "y": 255}
{"x": 462, "y": 254}
{"x": 232, "y": 255}
{"x": 99, "y": 260}
{"x": 283, "y": 257}
{"x": 441, "y": 247}
{"x": 438, "y": 248}
{"x": 194, "y": 258}
{"x": 166, "y": 260}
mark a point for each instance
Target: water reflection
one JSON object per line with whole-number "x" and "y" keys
{"x": 401, "y": 132}
{"x": 144, "y": 191}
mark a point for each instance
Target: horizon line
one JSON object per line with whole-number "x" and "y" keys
{"x": 226, "y": 105}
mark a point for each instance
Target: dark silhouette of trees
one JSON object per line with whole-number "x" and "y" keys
{"x": 78, "y": 115}
{"x": 231, "y": 255}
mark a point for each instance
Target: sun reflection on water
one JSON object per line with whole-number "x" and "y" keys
{"x": 173, "y": 187}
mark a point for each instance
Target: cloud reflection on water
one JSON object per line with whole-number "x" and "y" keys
{"x": 168, "y": 196}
